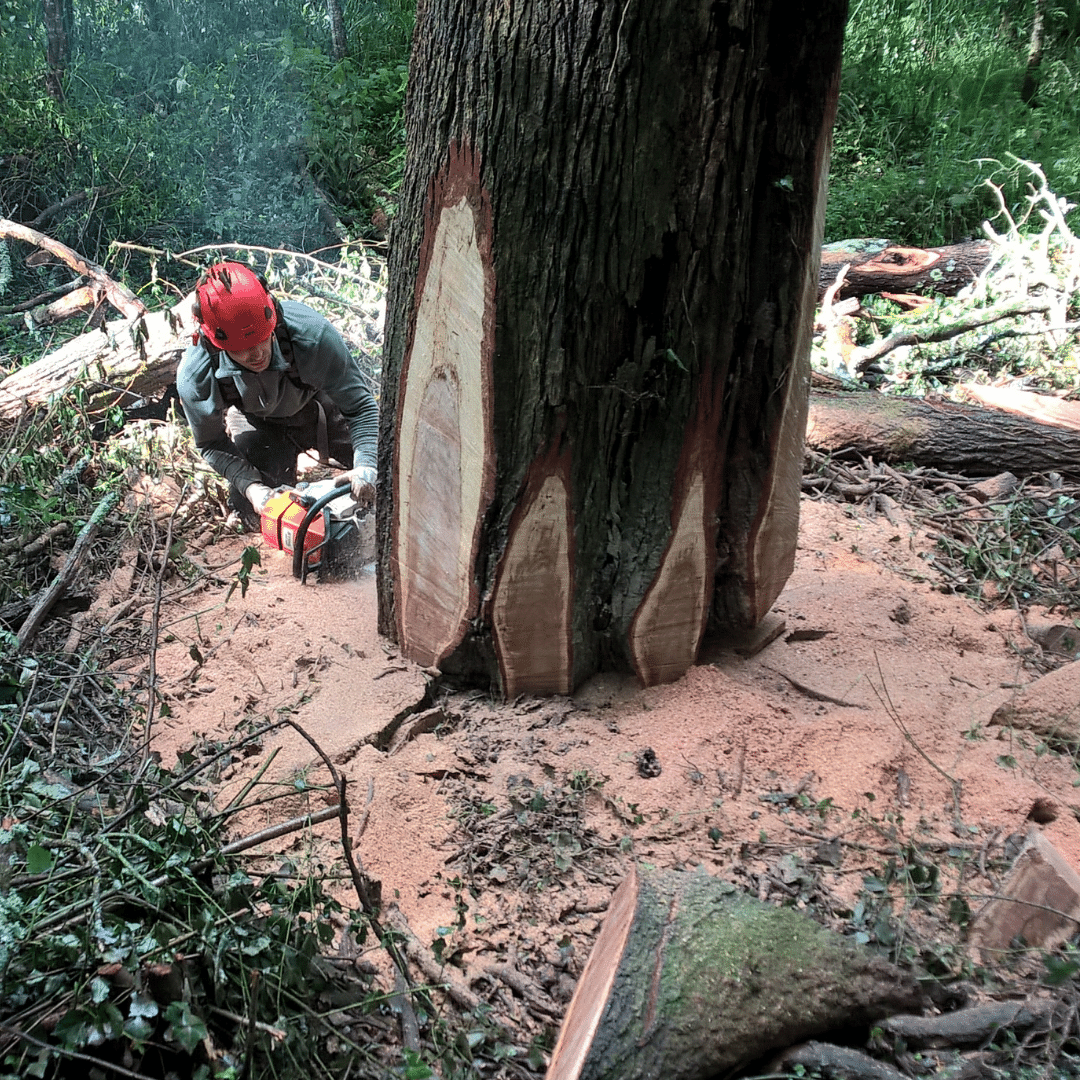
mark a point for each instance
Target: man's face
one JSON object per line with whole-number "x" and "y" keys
{"x": 257, "y": 358}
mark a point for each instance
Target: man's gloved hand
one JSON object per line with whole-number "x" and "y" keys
{"x": 362, "y": 481}
{"x": 257, "y": 494}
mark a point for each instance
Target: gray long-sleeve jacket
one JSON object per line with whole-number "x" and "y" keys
{"x": 322, "y": 362}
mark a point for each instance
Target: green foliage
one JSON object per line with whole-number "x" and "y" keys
{"x": 189, "y": 124}
{"x": 109, "y": 882}
{"x": 930, "y": 97}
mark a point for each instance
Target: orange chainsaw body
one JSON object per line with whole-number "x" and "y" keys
{"x": 281, "y": 517}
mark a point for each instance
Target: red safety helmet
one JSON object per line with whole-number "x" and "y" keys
{"x": 234, "y": 307}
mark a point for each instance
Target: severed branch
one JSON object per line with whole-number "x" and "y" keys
{"x": 865, "y": 356}
{"x": 120, "y": 296}
{"x": 836, "y": 1061}
{"x": 28, "y": 630}
{"x": 42, "y": 298}
{"x": 58, "y": 208}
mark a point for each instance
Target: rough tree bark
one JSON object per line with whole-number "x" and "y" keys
{"x": 339, "y": 41}
{"x": 603, "y": 278}
{"x": 1035, "y": 53}
{"x": 56, "y": 48}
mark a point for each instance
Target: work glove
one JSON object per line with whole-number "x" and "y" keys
{"x": 362, "y": 481}
{"x": 257, "y": 495}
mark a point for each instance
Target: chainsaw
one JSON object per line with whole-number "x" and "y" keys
{"x": 323, "y": 527}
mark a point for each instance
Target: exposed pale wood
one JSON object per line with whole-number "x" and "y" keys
{"x": 120, "y": 364}
{"x": 895, "y": 268}
{"x": 774, "y": 534}
{"x": 1045, "y": 408}
{"x": 443, "y": 437}
{"x": 42, "y": 298}
{"x": 120, "y": 296}
{"x": 82, "y": 300}
{"x": 530, "y": 609}
{"x": 690, "y": 978}
{"x": 1038, "y": 905}
{"x": 666, "y": 633}
{"x": 1049, "y": 706}
{"x": 957, "y": 438}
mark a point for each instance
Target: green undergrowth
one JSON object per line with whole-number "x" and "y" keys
{"x": 136, "y": 933}
{"x": 931, "y": 104}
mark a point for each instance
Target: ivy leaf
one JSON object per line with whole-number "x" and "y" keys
{"x": 39, "y": 860}
{"x": 142, "y": 1007}
{"x": 185, "y": 1027}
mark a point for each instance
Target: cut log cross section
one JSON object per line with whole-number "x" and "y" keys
{"x": 690, "y": 978}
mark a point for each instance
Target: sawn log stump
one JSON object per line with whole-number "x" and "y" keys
{"x": 690, "y": 978}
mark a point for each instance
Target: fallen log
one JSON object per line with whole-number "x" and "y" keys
{"x": 880, "y": 266}
{"x": 124, "y": 363}
{"x": 690, "y": 978}
{"x": 956, "y": 438}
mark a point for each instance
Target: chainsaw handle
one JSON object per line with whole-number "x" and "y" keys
{"x": 302, "y": 529}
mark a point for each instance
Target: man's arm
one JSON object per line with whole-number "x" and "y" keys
{"x": 205, "y": 414}
{"x": 336, "y": 372}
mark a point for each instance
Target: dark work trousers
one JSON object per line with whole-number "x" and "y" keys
{"x": 273, "y": 444}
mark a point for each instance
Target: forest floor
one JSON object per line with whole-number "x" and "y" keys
{"x": 849, "y": 768}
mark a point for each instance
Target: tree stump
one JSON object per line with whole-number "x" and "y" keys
{"x": 690, "y": 978}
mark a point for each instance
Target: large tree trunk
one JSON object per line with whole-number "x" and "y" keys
{"x": 603, "y": 278}
{"x": 957, "y": 438}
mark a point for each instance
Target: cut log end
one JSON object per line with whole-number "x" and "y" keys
{"x": 691, "y": 978}
{"x": 532, "y": 601}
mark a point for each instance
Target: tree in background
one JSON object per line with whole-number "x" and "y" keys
{"x": 57, "y": 50}
{"x": 339, "y": 39}
{"x": 596, "y": 364}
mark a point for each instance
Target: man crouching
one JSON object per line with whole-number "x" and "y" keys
{"x": 266, "y": 381}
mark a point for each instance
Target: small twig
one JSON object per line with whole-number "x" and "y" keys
{"x": 272, "y": 832}
{"x": 815, "y": 695}
{"x": 894, "y": 715}
{"x": 155, "y": 615}
{"x": 267, "y": 1029}
{"x": 361, "y": 825}
{"x": 359, "y": 880}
